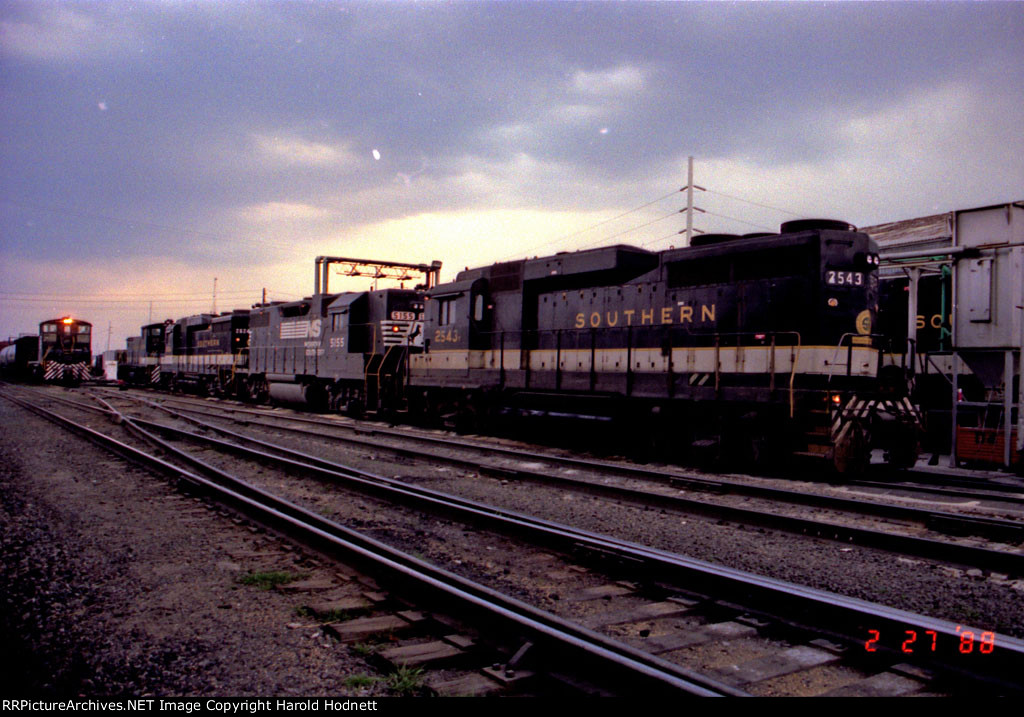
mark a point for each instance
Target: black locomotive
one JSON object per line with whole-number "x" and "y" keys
{"x": 346, "y": 350}
{"x": 140, "y": 364}
{"x": 738, "y": 345}
{"x": 65, "y": 350}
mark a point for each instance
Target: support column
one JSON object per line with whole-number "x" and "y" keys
{"x": 914, "y": 274}
{"x": 955, "y": 362}
{"x": 1007, "y": 406}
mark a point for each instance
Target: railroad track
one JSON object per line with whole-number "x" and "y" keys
{"x": 922, "y": 482}
{"x": 821, "y": 631}
{"x": 840, "y": 523}
{"x": 596, "y": 659}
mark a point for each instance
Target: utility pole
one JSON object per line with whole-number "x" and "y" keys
{"x": 215, "y": 295}
{"x": 150, "y": 313}
{"x": 689, "y": 200}
{"x": 690, "y": 209}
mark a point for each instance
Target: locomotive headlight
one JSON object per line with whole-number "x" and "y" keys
{"x": 836, "y": 399}
{"x": 833, "y": 302}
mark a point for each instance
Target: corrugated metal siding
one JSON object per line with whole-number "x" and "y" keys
{"x": 908, "y": 233}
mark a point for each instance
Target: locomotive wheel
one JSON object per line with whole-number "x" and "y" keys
{"x": 466, "y": 419}
{"x": 355, "y": 408}
{"x": 259, "y": 392}
{"x": 904, "y": 454}
{"x": 852, "y": 453}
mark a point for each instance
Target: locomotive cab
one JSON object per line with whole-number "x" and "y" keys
{"x": 458, "y": 315}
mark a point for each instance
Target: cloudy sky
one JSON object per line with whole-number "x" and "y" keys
{"x": 149, "y": 148}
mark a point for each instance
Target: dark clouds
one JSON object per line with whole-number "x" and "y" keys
{"x": 153, "y": 112}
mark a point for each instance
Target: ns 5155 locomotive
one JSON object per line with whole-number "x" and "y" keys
{"x": 741, "y": 346}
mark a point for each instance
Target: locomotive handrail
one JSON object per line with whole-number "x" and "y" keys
{"x": 373, "y": 354}
{"x": 792, "y": 376}
{"x": 849, "y": 352}
{"x": 930, "y": 359}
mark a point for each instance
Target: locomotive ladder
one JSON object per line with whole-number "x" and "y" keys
{"x": 379, "y": 369}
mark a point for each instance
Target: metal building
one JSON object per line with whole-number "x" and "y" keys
{"x": 962, "y": 273}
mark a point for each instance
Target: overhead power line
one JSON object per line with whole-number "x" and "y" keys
{"x": 147, "y": 296}
{"x": 632, "y": 229}
{"x": 601, "y": 223}
{"x": 756, "y": 204}
{"x": 106, "y": 302}
{"x": 149, "y": 224}
{"x": 741, "y": 221}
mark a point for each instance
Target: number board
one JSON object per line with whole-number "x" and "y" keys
{"x": 844, "y": 278}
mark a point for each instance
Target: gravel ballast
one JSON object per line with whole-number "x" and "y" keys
{"x": 114, "y": 583}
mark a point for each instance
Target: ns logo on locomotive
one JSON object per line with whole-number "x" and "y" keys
{"x": 753, "y": 346}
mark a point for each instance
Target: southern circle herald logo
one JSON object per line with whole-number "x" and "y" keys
{"x": 863, "y": 322}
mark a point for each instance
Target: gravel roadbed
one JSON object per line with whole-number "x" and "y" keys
{"x": 114, "y": 583}
{"x": 974, "y": 597}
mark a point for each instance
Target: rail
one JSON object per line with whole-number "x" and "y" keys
{"x": 839, "y": 617}
{"x": 637, "y": 672}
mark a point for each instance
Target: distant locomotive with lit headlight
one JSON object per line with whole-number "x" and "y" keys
{"x": 60, "y": 353}
{"x": 65, "y": 350}
{"x": 735, "y": 346}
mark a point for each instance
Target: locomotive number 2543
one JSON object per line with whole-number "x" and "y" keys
{"x": 844, "y": 278}
{"x": 442, "y": 336}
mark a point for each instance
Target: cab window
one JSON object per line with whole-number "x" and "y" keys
{"x": 446, "y": 312}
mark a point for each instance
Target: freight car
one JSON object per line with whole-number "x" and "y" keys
{"x": 747, "y": 346}
{"x": 18, "y": 358}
